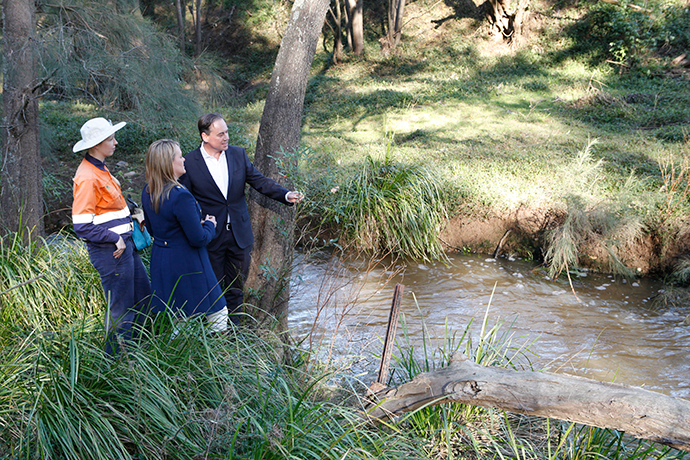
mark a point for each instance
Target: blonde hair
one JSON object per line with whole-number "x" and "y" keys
{"x": 160, "y": 176}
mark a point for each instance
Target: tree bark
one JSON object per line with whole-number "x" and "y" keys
{"x": 506, "y": 22}
{"x": 281, "y": 124}
{"x": 355, "y": 25}
{"x": 180, "y": 10}
{"x": 640, "y": 413}
{"x": 21, "y": 190}
{"x": 396, "y": 12}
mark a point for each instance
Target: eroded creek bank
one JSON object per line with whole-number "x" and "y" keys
{"x": 521, "y": 233}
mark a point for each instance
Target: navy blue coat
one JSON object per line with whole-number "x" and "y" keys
{"x": 240, "y": 172}
{"x": 181, "y": 273}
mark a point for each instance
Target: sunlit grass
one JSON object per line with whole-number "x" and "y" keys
{"x": 497, "y": 126}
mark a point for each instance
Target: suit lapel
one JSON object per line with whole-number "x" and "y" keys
{"x": 229, "y": 160}
{"x": 208, "y": 178}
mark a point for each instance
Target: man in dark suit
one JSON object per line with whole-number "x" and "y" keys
{"x": 216, "y": 176}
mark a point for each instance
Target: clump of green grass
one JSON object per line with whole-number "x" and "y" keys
{"x": 394, "y": 208}
{"x": 47, "y": 281}
{"x": 381, "y": 205}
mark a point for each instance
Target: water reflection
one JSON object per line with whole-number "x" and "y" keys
{"x": 607, "y": 330}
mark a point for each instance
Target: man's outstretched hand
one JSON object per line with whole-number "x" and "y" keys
{"x": 294, "y": 197}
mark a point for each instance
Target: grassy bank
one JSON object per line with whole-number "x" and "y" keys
{"x": 185, "y": 395}
{"x": 544, "y": 130}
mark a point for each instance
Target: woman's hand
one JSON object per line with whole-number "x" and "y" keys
{"x": 120, "y": 248}
{"x": 210, "y": 218}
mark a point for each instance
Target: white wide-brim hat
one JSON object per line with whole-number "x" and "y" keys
{"x": 95, "y": 131}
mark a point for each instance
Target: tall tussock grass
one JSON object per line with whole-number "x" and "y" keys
{"x": 176, "y": 393}
{"x": 49, "y": 282}
{"x": 380, "y": 205}
{"x": 395, "y": 208}
{"x": 590, "y": 224}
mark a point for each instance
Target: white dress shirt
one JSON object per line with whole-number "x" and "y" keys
{"x": 218, "y": 169}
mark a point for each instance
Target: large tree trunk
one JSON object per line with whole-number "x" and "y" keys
{"x": 505, "y": 20}
{"x": 355, "y": 25}
{"x": 638, "y": 412}
{"x": 21, "y": 200}
{"x": 281, "y": 124}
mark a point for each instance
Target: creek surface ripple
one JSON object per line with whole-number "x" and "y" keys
{"x": 611, "y": 331}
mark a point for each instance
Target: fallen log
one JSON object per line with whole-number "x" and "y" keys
{"x": 638, "y": 412}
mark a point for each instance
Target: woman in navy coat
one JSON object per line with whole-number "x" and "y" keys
{"x": 182, "y": 279}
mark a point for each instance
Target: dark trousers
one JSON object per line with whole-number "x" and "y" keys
{"x": 127, "y": 289}
{"x": 231, "y": 265}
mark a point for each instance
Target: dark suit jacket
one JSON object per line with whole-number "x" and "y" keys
{"x": 241, "y": 171}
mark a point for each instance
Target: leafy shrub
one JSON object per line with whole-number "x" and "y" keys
{"x": 614, "y": 32}
{"x": 676, "y": 28}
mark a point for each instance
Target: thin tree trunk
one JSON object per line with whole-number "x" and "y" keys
{"x": 349, "y": 12}
{"x": 21, "y": 200}
{"x": 396, "y": 12}
{"x": 338, "y": 33}
{"x": 281, "y": 124}
{"x": 355, "y": 26}
{"x": 180, "y": 9}
{"x": 198, "y": 27}
{"x": 640, "y": 413}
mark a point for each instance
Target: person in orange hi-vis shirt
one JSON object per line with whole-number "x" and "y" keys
{"x": 102, "y": 219}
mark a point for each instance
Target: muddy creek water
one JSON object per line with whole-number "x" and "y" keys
{"x": 609, "y": 330}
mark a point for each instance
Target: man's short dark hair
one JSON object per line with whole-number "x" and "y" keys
{"x": 207, "y": 120}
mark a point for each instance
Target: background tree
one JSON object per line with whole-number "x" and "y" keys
{"x": 197, "y": 26}
{"x": 337, "y": 29}
{"x": 180, "y": 13}
{"x": 396, "y": 12}
{"x": 21, "y": 204}
{"x": 281, "y": 125}
{"x": 107, "y": 55}
{"x": 355, "y": 25}
{"x": 351, "y": 12}
{"x": 506, "y": 18}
